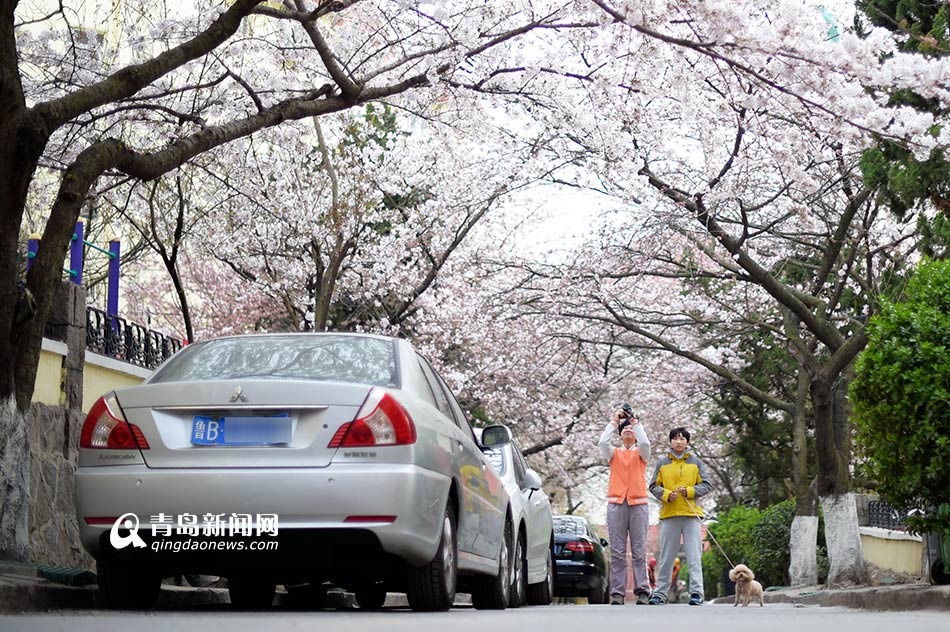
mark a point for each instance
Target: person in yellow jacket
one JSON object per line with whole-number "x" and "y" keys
{"x": 627, "y": 511}
{"x": 678, "y": 481}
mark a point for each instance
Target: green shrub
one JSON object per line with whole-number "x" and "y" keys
{"x": 900, "y": 395}
{"x": 733, "y": 531}
{"x": 770, "y": 542}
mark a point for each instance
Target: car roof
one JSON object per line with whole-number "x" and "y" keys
{"x": 353, "y": 334}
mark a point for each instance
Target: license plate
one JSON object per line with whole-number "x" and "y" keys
{"x": 274, "y": 430}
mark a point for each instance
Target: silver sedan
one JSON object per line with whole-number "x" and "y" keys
{"x": 308, "y": 460}
{"x": 532, "y": 580}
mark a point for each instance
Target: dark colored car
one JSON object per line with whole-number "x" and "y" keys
{"x": 583, "y": 568}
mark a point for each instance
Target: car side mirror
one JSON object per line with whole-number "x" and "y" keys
{"x": 604, "y": 542}
{"x": 531, "y": 480}
{"x": 495, "y": 436}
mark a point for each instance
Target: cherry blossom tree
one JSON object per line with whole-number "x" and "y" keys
{"x": 156, "y": 89}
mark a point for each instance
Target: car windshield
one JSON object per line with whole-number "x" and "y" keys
{"x": 569, "y": 526}
{"x": 357, "y": 359}
{"x": 497, "y": 459}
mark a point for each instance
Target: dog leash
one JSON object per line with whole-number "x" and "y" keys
{"x": 708, "y": 532}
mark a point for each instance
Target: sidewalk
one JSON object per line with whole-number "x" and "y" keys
{"x": 22, "y": 590}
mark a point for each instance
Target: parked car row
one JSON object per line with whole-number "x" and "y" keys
{"x": 311, "y": 461}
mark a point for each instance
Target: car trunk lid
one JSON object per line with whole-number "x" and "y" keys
{"x": 241, "y": 423}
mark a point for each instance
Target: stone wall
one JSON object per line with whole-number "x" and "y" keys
{"x": 54, "y": 443}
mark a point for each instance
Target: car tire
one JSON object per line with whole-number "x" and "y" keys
{"x": 371, "y": 596}
{"x": 519, "y": 576}
{"x": 123, "y": 586}
{"x": 938, "y": 573}
{"x": 541, "y": 594}
{"x": 311, "y": 596}
{"x": 432, "y": 587}
{"x": 493, "y": 592}
{"x": 251, "y": 593}
{"x": 598, "y": 595}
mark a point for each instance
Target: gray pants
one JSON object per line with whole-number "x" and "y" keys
{"x": 624, "y": 520}
{"x": 671, "y": 529}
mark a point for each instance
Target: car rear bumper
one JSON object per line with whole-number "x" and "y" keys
{"x": 577, "y": 578}
{"x": 344, "y": 502}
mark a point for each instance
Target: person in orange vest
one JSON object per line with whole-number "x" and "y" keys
{"x": 627, "y": 510}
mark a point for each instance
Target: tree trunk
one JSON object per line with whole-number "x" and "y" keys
{"x": 841, "y": 514}
{"x": 14, "y": 482}
{"x": 844, "y": 540}
{"x": 21, "y": 144}
{"x": 803, "y": 540}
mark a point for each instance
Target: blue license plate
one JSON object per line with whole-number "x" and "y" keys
{"x": 241, "y": 430}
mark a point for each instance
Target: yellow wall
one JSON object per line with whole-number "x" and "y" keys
{"x": 894, "y": 550}
{"x": 100, "y": 375}
{"x": 49, "y": 375}
{"x": 99, "y": 380}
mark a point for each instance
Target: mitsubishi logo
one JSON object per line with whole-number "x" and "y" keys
{"x": 238, "y": 395}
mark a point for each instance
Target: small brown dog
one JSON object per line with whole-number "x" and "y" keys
{"x": 746, "y": 586}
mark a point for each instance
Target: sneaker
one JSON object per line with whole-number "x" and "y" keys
{"x": 657, "y": 600}
{"x": 695, "y": 600}
{"x": 643, "y": 599}
{"x": 616, "y": 600}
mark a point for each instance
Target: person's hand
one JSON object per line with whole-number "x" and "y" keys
{"x": 673, "y": 495}
{"x": 618, "y": 417}
{"x": 682, "y": 490}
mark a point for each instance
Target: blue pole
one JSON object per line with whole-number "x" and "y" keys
{"x": 75, "y": 255}
{"x": 112, "y": 300}
{"x": 33, "y": 245}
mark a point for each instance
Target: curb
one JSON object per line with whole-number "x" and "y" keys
{"x": 23, "y": 592}
{"x": 880, "y": 598}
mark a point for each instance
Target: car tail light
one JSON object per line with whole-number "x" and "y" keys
{"x": 579, "y": 546}
{"x": 387, "y": 424}
{"x": 387, "y": 519}
{"x": 106, "y": 428}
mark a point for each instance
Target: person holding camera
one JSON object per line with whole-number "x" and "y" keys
{"x": 627, "y": 512}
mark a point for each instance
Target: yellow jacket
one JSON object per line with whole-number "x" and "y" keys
{"x": 673, "y": 472}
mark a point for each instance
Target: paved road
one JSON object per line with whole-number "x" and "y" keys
{"x": 560, "y": 618}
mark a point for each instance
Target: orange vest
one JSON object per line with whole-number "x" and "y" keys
{"x": 628, "y": 479}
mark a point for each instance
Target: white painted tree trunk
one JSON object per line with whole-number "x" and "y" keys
{"x": 843, "y": 540}
{"x": 803, "y": 544}
{"x": 14, "y": 482}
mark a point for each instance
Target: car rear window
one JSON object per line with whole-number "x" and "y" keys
{"x": 358, "y": 359}
{"x": 569, "y": 526}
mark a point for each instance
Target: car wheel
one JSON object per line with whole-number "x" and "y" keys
{"x": 938, "y": 573}
{"x": 598, "y": 594}
{"x": 432, "y": 587}
{"x": 251, "y": 593}
{"x": 540, "y": 594}
{"x": 371, "y": 596}
{"x": 309, "y": 596}
{"x": 492, "y": 593}
{"x": 519, "y": 575}
{"x": 122, "y": 586}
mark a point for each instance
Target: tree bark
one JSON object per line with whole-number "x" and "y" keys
{"x": 803, "y": 539}
{"x": 843, "y": 540}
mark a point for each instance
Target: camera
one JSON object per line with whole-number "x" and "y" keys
{"x": 627, "y": 411}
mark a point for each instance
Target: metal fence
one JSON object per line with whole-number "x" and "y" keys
{"x": 114, "y": 337}
{"x": 880, "y": 514}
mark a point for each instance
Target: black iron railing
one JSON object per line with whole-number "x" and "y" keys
{"x": 114, "y": 337}
{"x": 880, "y": 514}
